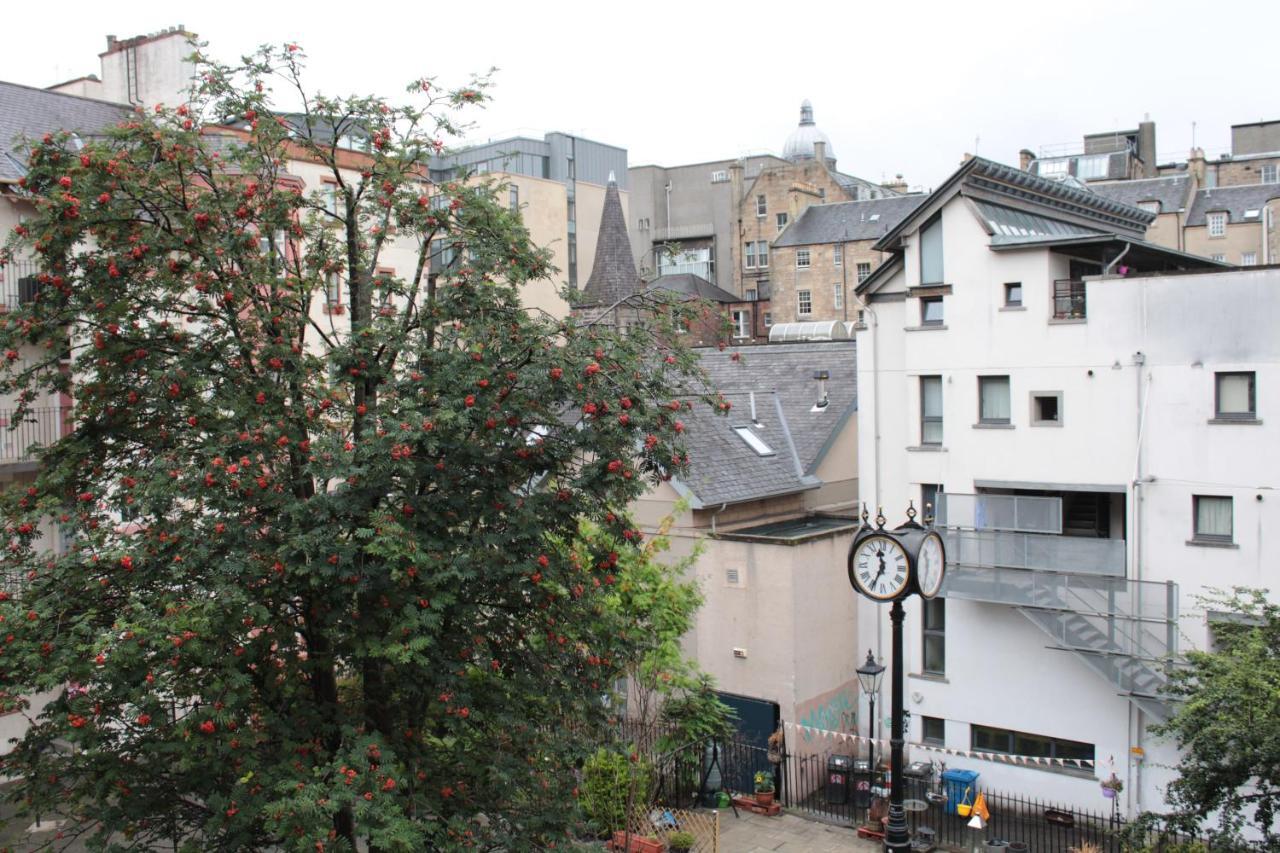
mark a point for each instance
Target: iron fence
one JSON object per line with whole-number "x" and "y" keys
{"x": 21, "y": 434}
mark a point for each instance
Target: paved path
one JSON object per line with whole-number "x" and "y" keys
{"x": 786, "y": 833}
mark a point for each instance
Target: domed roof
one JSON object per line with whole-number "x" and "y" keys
{"x": 799, "y": 144}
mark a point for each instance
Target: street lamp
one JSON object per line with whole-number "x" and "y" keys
{"x": 869, "y": 674}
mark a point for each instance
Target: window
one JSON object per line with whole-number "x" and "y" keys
{"x": 1220, "y": 258}
{"x": 513, "y": 199}
{"x": 1092, "y": 167}
{"x": 762, "y": 206}
{"x": 719, "y": 176}
{"x": 1268, "y": 174}
{"x": 329, "y": 190}
{"x": 753, "y": 441}
{"x": 768, "y": 319}
{"x": 931, "y": 410}
{"x": 837, "y": 255}
{"x": 751, "y": 294}
{"x": 1053, "y": 168}
{"x": 749, "y": 255}
{"x": 933, "y": 731}
{"x": 1235, "y": 395}
{"x": 1217, "y": 224}
{"x": 987, "y": 739}
{"x": 1046, "y": 408}
{"x": 993, "y": 399}
{"x": 1013, "y": 294}
{"x": 762, "y": 253}
{"x": 804, "y": 303}
{"x": 1248, "y": 259}
{"x": 864, "y": 271}
{"x": 1150, "y": 206}
{"x": 1068, "y": 299}
{"x": 934, "y": 660}
{"x": 741, "y": 324}
{"x": 802, "y": 259}
{"x": 782, "y": 221}
{"x": 929, "y": 499}
{"x": 1212, "y": 518}
{"x": 931, "y": 311}
{"x": 931, "y": 252}
{"x": 333, "y": 289}
{"x": 838, "y": 294}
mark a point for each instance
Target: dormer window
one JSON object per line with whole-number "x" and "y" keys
{"x": 1217, "y": 222}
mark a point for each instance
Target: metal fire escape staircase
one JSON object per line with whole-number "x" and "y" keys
{"x": 1072, "y": 588}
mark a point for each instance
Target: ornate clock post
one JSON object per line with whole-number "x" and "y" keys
{"x": 890, "y": 566}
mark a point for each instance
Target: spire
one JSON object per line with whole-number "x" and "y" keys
{"x": 613, "y": 274}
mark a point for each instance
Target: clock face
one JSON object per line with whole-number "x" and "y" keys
{"x": 930, "y": 565}
{"x": 879, "y": 569}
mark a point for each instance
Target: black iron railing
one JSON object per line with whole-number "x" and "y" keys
{"x": 1068, "y": 299}
{"x": 21, "y": 434}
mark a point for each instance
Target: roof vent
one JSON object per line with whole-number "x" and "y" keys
{"x": 822, "y": 376}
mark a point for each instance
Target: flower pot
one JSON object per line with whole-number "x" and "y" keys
{"x": 764, "y": 798}
{"x": 1109, "y": 793}
{"x": 638, "y": 843}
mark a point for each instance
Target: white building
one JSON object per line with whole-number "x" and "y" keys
{"x": 1091, "y": 415}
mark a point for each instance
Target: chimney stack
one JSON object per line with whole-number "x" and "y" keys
{"x": 1196, "y": 167}
{"x": 897, "y": 185}
{"x": 820, "y": 153}
{"x": 1025, "y": 158}
{"x": 1147, "y": 147}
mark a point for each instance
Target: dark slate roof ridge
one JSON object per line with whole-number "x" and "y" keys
{"x": 808, "y": 228}
{"x": 1169, "y": 190}
{"x": 1235, "y": 200}
{"x": 1058, "y": 189}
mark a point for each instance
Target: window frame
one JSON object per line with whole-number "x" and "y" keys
{"x": 925, "y": 302}
{"x": 749, "y": 255}
{"x": 1008, "y": 293}
{"x": 741, "y": 319}
{"x": 983, "y": 383}
{"x": 925, "y": 230}
{"x": 803, "y": 255}
{"x": 804, "y": 303}
{"x": 837, "y": 296}
{"x": 1216, "y": 223}
{"x": 1036, "y": 420}
{"x": 837, "y": 255}
{"x": 513, "y": 198}
{"x": 1248, "y": 259}
{"x": 782, "y": 219}
{"x": 925, "y": 417}
{"x": 935, "y": 629}
{"x": 762, "y": 206}
{"x": 1218, "y": 413}
{"x": 933, "y": 740}
{"x": 1197, "y": 536}
{"x": 762, "y": 254}
{"x": 1275, "y": 174}
{"x": 864, "y": 271}
{"x": 1011, "y": 736}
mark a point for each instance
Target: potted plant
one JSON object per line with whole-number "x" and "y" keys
{"x": 776, "y": 743}
{"x": 681, "y": 842}
{"x": 1112, "y": 786}
{"x": 764, "y": 788}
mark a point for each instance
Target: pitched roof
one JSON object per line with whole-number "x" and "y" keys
{"x": 848, "y": 221}
{"x": 1170, "y": 191}
{"x": 723, "y": 468}
{"x": 982, "y": 179}
{"x": 31, "y": 112}
{"x": 694, "y": 286}
{"x": 613, "y": 274}
{"x": 1236, "y": 201}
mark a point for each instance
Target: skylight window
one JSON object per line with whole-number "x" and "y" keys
{"x": 874, "y": 217}
{"x": 1252, "y": 213}
{"x": 753, "y": 441}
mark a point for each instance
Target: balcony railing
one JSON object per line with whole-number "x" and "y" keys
{"x": 698, "y": 268}
{"x": 1047, "y": 553}
{"x": 17, "y": 284}
{"x": 21, "y": 435}
{"x": 1068, "y": 299}
{"x": 1025, "y": 513}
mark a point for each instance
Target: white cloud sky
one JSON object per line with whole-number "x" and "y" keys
{"x": 899, "y": 87}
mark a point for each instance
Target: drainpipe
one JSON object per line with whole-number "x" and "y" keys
{"x": 1117, "y": 259}
{"x": 715, "y": 515}
{"x": 1137, "y": 718}
{"x": 875, "y": 421}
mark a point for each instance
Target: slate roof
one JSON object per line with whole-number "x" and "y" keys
{"x": 1234, "y": 200}
{"x": 722, "y": 467}
{"x": 694, "y": 286}
{"x": 848, "y": 221}
{"x": 1170, "y": 191}
{"x": 31, "y": 112}
{"x": 613, "y": 275}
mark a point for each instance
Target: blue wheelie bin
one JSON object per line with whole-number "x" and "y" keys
{"x": 959, "y": 786}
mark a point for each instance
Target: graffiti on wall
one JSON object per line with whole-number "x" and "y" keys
{"x": 834, "y": 711}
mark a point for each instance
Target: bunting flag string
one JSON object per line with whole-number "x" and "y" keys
{"x": 809, "y": 733}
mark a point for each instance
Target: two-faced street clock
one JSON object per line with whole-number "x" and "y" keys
{"x": 886, "y": 565}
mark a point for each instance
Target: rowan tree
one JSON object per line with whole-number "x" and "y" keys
{"x": 334, "y": 573}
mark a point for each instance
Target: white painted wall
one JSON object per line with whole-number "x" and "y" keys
{"x": 1186, "y": 327}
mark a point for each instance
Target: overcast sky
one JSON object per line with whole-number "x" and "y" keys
{"x": 903, "y": 86}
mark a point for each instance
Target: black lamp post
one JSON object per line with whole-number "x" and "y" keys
{"x": 869, "y": 674}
